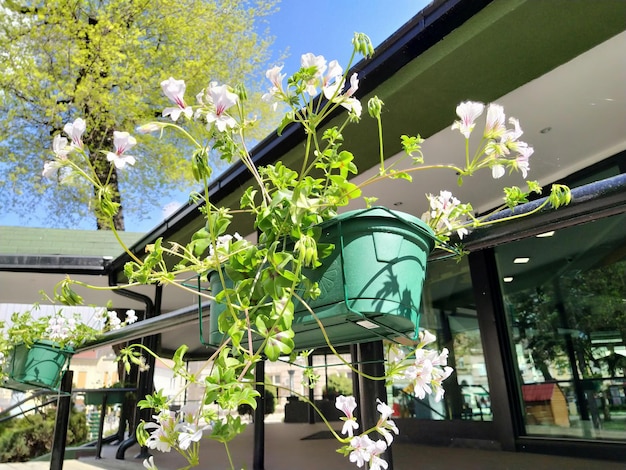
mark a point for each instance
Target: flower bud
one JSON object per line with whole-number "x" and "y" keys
{"x": 150, "y": 127}
{"x": 240, "y": 91}
{"x": 363, "y": 44}
{"x": 374, "y": 107}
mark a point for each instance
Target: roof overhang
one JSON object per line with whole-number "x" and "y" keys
{"x": 555, "y": 64}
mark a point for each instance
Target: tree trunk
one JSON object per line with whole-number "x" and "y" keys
{"x": 107, "y": 174}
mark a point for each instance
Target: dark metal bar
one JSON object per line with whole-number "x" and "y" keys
{"x": 103, "y": 413}
{"x": 259, "y": 418}
{"x": 499, "y": 358}
{"x": 6, "y": 415}
{"x": 371, "y": 362}
{"x": 141, "y": 386}
{"x": 589, "y": 202}
{"x": 64, "y": 406}
{"x": 310, "y": 409}
{"x": 147, "y": 327}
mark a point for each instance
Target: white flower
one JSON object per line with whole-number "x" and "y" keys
{"x": 468, "y": 111}
{"x": 149, "y": 463}
{"x": 438, "y": 376}
{"x": 189, "y": 432}
{"x": 384, "y": 424}
{"x": 222, "y": 99}
{"x": 396, "y": 354}
{"x": 497, "y": 171}
{"x": 175, "y": 91}
{"x": 143, "y": 364}
{"x": 361, "y": 450}
{"x": 423, "y": 376}
{"x": 310, "y": 60}
{"x": 75, "y": 131}
{"x": 158, "y": 438}
{"x": 122, "y": 142}
{"x": 274, "y": 76}
{"x": 60, "y": 147}
{"x": 375, "y": 449}
{"x": 438, "y": 359}
{"x": 131, "y": 317}
{"x": 347, "y": 405}
{"x": 114, "y": 321}
{"x": 223, "y": 242}
{"x": 494, "y": 125}
{"x": 426, "y": 337}
{"x": 50, "y": 169}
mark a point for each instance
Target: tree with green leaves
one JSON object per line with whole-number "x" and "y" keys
{"x": 103, "y": 61}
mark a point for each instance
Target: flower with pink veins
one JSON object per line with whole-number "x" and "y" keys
{"x": 354, "y": 85}
{"x": 347, "y": 405}
{"x": 309, "y": 60}
{"x": 361, "y": 446}
{"x": 521, "y": 161}
{"x": 494, "y": 125}
{"x": 385, "y": 425}
{"x": 426, "y": 337}
{"x": 375, "y": 449}
{"x": 438, "y": 376}
{"x": 175, "y": 91}
{"x": 274, "y": 76}
{"x": 223, "y": 99}
{"x": 423, "y": 377}
{"x": 436, "y": 358}
{"x": 122, "y": 141}
{"x": 60, "y": 147}
{"x": 334, "y": 93}
{"x": 468, "y": 111}
{"x": 75, "y": 131}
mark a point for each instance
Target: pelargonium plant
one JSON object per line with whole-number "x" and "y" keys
{"x": 62, "y": 329}
{"x": 262, "y": 281}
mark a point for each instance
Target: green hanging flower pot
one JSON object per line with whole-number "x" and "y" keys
{"x": 38, "y": 366}
{"x": 371, "y": 285}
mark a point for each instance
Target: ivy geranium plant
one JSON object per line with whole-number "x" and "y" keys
{"x": 261, "y": 281}
{"x": 62, "y": 329}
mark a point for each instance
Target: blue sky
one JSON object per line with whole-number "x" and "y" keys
{"x": 323, "y": 27}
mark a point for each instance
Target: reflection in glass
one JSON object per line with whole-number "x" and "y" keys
{"x": 566, "y": 310}
{"x": 449, "y": 311}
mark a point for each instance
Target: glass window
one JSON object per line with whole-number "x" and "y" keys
{"x": 449, "y": 311}
{"x": 565, "y": 299}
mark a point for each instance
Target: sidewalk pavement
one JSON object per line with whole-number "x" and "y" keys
{"x": 286, "y": 450}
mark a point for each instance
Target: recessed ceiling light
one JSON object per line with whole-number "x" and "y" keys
{"x": 546, "y": 234}
{"x": 545, "y": 130}
{"x": 521, "y": 260}
{"x": 508, "y": 279}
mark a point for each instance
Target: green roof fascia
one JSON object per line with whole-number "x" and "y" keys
{"x": 507, "y": 44}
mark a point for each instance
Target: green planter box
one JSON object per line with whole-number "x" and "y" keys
{"x": 37, "y": 367}
{"x": 371, "y": 286}
{"x": 95, "y": 397}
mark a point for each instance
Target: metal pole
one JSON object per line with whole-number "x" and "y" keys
{"x": 371, "y": 362}
{"x": 311, "y": 395}
{"x": 103, "y": 413}
{"x": 259, "y": 418}
{"x": 64, "y": 406}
